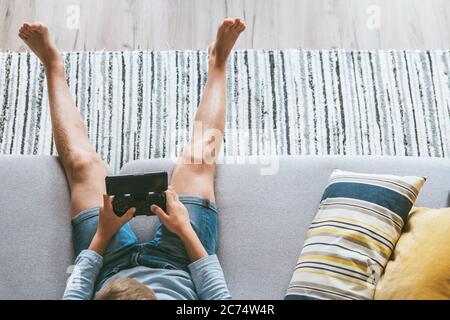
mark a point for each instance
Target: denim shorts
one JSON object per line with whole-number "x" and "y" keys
{"x": 164, "y": 251}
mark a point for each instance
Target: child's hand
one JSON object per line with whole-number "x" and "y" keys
{"x": 176, "y": 219}
{"x": 108, "y": 225}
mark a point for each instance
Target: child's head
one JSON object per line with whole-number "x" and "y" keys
{"x": 125, "y": 289}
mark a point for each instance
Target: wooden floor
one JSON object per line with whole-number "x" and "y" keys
{"x": 191, "y": 24}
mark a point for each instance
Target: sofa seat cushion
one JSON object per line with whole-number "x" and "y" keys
{"x": 35, "y": 232}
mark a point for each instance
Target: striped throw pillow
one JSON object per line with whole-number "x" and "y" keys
{"x": 349, "y": 242}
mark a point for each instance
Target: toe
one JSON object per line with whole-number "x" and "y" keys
{"x": 27, "y": 31}
{"x": 228, "y": 22}
{"x": 237, "y": 24}
{"x": 37, "y": 26}
{"x": 23, "y": 36}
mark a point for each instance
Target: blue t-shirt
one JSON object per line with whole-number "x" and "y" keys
{"x": 204, "y": 282}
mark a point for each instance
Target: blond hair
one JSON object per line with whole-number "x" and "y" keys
{"x": 125, "y": 289}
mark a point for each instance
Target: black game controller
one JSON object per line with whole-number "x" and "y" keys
{"x": 142, "y": 203}
{"x": 138, "y": 191}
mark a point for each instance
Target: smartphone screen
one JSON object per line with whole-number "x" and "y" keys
{"x": 135, "y": 184}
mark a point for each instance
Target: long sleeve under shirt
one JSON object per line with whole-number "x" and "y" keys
{"x": 205, "y": 281}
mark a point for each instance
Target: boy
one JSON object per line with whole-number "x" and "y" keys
{"x": 180, "y": 262}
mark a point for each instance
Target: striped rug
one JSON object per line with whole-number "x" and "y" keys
{"x": 141, "y": 105}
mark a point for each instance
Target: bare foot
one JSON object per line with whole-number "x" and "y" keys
{"x": 37, "y": 38}
{"x": 228, "y": 33}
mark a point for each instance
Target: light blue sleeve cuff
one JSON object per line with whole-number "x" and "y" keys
{"x": 208, "y": 279}
{"x": 204, "y": 262}
{"x": 91, "y": 256}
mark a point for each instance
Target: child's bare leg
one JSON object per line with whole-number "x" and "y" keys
{"x": 195, "y": 171}
{"x": 85, "y": 170}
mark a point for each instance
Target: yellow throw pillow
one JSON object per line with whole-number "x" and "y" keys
{"x": 419, "y": 268}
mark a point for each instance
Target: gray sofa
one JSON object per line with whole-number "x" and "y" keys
{"x": 263, "y": 218}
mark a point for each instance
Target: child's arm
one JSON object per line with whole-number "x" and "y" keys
{"x": 81, "y": 283}
{"x": 209, "y": 280}
{"x": 205, "y": 270}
